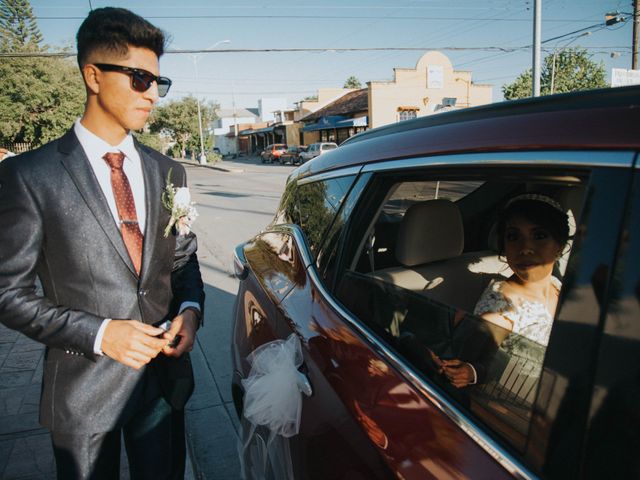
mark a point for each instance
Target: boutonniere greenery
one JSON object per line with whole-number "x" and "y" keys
{"x": 178, "y": 202}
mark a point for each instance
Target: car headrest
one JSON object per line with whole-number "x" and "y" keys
{"x": 430, "y": 231}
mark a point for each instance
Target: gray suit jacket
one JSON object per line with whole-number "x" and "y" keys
{"x": 56, "y": 225}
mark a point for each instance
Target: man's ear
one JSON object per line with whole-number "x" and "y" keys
{"x": 92, "y": 76}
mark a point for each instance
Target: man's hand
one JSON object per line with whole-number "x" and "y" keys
{"x": 131, "y": 342}
{"x": 184, "y": 325}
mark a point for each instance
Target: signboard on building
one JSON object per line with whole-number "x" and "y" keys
{"x": 435, "y": 76}
{"x": 621, "y": 77}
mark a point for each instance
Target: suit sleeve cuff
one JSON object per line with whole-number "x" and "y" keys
{"x": 97, "y": 344}
{"x": 185, "y": 305}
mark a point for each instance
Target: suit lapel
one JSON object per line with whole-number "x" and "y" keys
{"x": 77, "y": 165}
{"x": 153, "y": 184}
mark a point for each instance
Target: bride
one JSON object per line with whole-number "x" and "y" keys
{"x": 532, "y": 234}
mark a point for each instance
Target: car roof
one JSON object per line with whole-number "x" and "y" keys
{"x": 592, "y": 120}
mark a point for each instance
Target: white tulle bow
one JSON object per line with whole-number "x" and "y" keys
{"x": 274, "y": 385}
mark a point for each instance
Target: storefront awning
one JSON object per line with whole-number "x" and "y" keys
{"x": 324, "y": 123}
{"x": 354, "y": 122}
{"x": 260, "y": 130}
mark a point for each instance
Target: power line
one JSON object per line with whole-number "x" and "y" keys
{"x": 280, "y": 50}
{"x": 311, "y": 50}
{"x": 321, "y": 17}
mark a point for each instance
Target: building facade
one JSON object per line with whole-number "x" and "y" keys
{"x": 225, "y": 125}
{"x": 431, "y": 86}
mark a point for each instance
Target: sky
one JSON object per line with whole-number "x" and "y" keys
{"x": 467, "y": 31}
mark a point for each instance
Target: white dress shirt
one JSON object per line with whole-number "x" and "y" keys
{"x": 95, "y": 148}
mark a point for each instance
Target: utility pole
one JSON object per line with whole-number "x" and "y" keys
{"x": 537, "y": 27}
{"x": 235, "y": 118}
{"x": 636, "y": 34}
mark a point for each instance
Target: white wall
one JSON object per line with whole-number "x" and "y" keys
{"x": 222, "y": 125}
{"x": 269, "y": 105}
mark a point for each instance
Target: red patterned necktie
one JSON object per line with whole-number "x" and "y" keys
{"x": 131, "y": 233}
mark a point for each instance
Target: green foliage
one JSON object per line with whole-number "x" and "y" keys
{"x": 352, "y": 82}
{"x": 567, "y": 70}
{"x": 522, "y": 87}
{"x": 39, "y": 99}
{"x": 18, "y": 27}
{"x": 306, "y": 206}
{"x": 178, "y": 119}
{"x": 150, "y": 140}
{"x": 213, "y": 157}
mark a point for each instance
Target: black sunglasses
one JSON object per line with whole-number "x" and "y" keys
{"x": 141, "y": 80}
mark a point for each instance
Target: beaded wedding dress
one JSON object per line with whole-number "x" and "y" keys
{"x": 531, "y": 319}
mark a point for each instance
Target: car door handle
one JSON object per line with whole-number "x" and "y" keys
{"x": 304, "y": 384}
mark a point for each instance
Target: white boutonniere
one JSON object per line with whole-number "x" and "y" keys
{"x": 178, "y": 202}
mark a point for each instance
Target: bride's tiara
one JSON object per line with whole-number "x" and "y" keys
{"x": 536, "y": 197}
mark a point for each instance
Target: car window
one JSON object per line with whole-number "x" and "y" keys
{"x": 421, "y": 268}
{"x": 313, "y": 207}
{"x": 327, "y": 259}
{"x": 328, "y": 147}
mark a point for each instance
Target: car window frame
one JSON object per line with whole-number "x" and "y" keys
{"x": 619, "y": 328}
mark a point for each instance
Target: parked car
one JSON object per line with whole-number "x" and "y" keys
{"x": 372, "y": 290}
{"x": 273, "y": 152}
{"x": 292, "y": 154}
{"x": 317, "y": 149}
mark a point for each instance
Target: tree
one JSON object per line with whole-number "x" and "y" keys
{"x": 18, "y": 27}
{"x": 40, "y": 97}
{"x": 149, "y": 139}
{"x": 178, "y": 119}
{"x": 567, "y": 70}
{"x": 352, "y": 82}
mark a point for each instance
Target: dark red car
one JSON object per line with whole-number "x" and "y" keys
{"x": 369, "y": 292}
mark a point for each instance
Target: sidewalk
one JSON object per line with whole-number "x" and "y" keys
{"x": 25, "y": 446}
{"x": 237, "y": 165}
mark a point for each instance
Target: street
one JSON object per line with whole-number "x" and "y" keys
{"x": 233, "y": 205}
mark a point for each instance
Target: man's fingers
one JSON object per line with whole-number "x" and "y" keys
{"x": 147, "y": 329}
{"x": 132, "y": 343}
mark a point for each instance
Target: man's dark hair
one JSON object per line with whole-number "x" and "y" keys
{"x": 114, "y": 30}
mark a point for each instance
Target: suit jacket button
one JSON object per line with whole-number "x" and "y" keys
{"x": 142, "y": 292}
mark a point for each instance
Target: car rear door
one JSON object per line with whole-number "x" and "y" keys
{"x": 363, "y": 420}
{"x": 371, "y": 406}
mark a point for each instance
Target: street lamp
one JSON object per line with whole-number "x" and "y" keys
{"x": 203, "y": 157}
{"x": 555, "y": 53}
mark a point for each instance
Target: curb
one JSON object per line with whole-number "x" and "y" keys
{"x": 212, "y": 167}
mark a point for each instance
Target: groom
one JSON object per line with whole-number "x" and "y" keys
{"x": 84, "y": 215}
